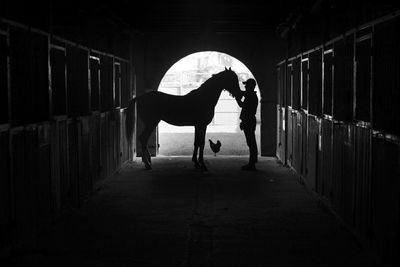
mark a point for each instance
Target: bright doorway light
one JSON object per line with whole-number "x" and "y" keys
{"x": 188, "y": 74}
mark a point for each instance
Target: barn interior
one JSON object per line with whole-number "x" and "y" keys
{"x": 74, "y": 191}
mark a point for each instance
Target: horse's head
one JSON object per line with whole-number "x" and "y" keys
{"x": 231, "y": 83}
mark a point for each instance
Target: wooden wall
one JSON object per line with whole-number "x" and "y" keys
{"x": 63, "y": 109}
{"x": 343, "y": 136}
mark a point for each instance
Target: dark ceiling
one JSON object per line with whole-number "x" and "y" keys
{"x": 155, "y": 15}
{"x": 218, "y": 16}
{"x": 205, "y": 15}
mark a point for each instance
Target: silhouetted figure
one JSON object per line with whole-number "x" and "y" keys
{"x": 195, "y": 108}
{"x": 248, "y": 124}
{"x": 215, "y": 147}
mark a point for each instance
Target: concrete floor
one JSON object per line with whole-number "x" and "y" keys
{"x": 175, "y": 215}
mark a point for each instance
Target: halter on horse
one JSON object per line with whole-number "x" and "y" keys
{"x": 195, "y": 108}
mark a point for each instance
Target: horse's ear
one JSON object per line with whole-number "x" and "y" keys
{"x": 226, "y": 68}
{"x": 230, "y": 69}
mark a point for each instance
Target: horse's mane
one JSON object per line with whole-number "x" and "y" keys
{"x": 210, "y": 81}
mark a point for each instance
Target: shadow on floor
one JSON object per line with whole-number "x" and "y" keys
{"x": 176, "y": 215}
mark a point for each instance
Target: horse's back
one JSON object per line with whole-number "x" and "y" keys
{"x": 159, "y": 101}
{"x": 176, "y": 110}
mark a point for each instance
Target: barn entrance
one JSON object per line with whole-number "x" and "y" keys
{"x": 188, "y": 74}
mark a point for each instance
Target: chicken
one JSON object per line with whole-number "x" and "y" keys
{"x": 215, "y": 147}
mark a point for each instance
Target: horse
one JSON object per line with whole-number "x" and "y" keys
{"x": 196, "y": 108}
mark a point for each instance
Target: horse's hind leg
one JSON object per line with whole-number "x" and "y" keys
{"x": 195, "y": 149}
{"x": 145, "y": 158}
{"x": 201, "y": 142}
{"x": 148, "y": 156}
{"x": 199, "y": 136}
{"x": 144, "y": 137}
{"x": 194, "y": 157}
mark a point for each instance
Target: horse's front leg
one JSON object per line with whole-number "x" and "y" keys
{"x": 196, "y": 148}
{"x": 197, "y": 139}
{"x": 194, "y": 157}
{"x": 201, "y": 160}
{"x": 202, "y": 136}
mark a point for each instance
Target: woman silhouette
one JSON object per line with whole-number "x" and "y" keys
{"x": 248, "y": 124}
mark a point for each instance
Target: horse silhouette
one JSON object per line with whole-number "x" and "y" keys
{"x": 193, "y": 109}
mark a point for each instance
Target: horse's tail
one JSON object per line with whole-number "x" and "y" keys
{"x": 130, "y": 120}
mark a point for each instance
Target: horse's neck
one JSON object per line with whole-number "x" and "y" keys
{"x": 211, "y": 91}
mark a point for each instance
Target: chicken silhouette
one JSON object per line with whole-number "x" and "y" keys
{"x": 215, "y": 147}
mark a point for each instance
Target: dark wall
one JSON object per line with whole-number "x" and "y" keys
{"x": 85, "y": 22}
{"x": 344, "y": 141}
{"x": 157, "y": 52}
{"x": 62, "y": 127}
{"x": 328, "y": 19}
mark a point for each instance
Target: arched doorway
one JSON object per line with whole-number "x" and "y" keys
{"x": 188, "y": 74}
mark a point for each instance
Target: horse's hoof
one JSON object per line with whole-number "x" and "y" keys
{"x": 148, "y": 167}
{"x": 197, "y": 165}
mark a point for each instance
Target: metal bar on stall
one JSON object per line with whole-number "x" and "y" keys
{"x": 57, "y": 47}
{"x": 89, "y": 83}
{"x": 9, "y": 77}
{"x": 312, "y": 50}
{"x": 364, "y": 37}
{"x": 50, "y": 86}
{"x": 380, "y": 20}
{"x": 354, "y": 87}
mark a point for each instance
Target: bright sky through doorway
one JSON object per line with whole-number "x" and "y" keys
{"x": 190, "y": 72}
